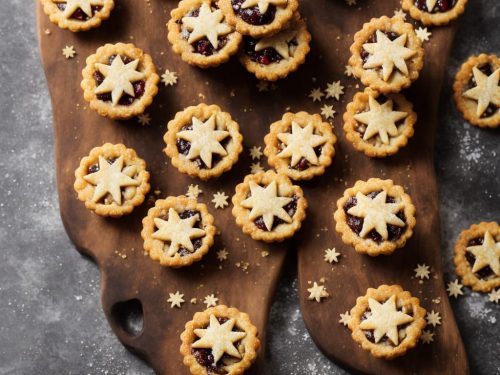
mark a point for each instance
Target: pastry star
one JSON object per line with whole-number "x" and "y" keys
{"x": 427, "y": 337}
{"x": 265, "y": 202}
{"x": 204, "y": 139}
{"x": 327, "y": 111}
{"x": 222, "y": 255}
{"x": 255, "y": 152}
{"x": 345, "y": 318}
{"x": 193, "y": 191}
{"x": 109, "y": 179}
{"x": 177, "y": 231}
{"x": 220, "y": 199}
{"x": 331, "y": 255}
{"x": 169, "y": 78}
{"x": 494, "y": 296}
{"x": 385, "y": 319}
{"x": 210, "y": 300}
{"x": 69, "y": 52}
{"x": 376, "y": 213}
{"x": 300, "y": 143}
{"x": 454, "y": 289}
{"x": 118, "y": 78}
{"x": 433, "y": 318}
{"x": 387, "y": 54}
{"x": 422, "y": 271}
{"x": 176, "y": 299}
{"x": 262, "y": 4}
{"x": 423, "y": 34}
{"x": 279, "y": 42}
{"x": 380, "y": 119}
{"x": 334, "y": 90}
{"x": 85, "y": 5}
{"x": 316, "y": 292}
{"x": 487, "y": 254}
{"x": 486, "y": 91}
{"x": 219, "y": 337}
{"x": 256, "y": 168}
{"x": 316, "y": 94}
{"x": 207, "y": 24}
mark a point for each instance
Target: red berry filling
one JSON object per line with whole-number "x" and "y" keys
{"x": 440, "y": 7}
{"x": 79, "y": 14}
{"x": 266, "y": 56}
{"x": 252, "y": 15}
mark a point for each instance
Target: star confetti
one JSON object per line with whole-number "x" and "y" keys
{"x": 255, "y": 152}
{"x": 427, "y": 337}
{"x": 220, "y": 200}
{"x": 222, "y": 255}
{"x": 262, "y": 86}
{"x": 316, "y": 94}
{"x": 400, "y": 13}
{"x": 454, "y": 289}
{"x": 175, "y": 299}
{"x": 494, "y": 296}
{"x": 169, "y": 78}
{"x": 69, "y": 52}
{"x": 144, "y": 119}
{"x": 327, "y": 111}
{"x": 348, "y": 70}
{"x": 316, "y": 292}
{"x": 345, "y": 318}
{"x": 256, "y": 168}
{"x": 331, "y": 255}
{"x": 423, "y": 34}
{"x": 433, "y": 318}
{"x": 334, "y": 90}
{"x": 193, "y": 191}
{"x": 210, "y": 300}
{"x": 422, "y": 271}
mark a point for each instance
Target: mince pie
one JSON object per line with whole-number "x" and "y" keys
{"x": 258, "y": 18}
{"x": 434, "y": 12}
{"x": 387, "y": 321}
{"x": 178, "y": 231}
{"x": 477, "y": 91}
{"x": 112, "y": 180}
{"x": 78, "y": 15}
{"x": 220, "y": 340}
{"x": 386, "y": 54}
{"x": 377, "y": 124}
{"x": 200, "y": 34}
{"x": 375, "y": 216}
{"x": 119, "y": 81}
{"x": 268, "y": 207}
{"x": 274, "y": 57}
{"x": 477, "y": 256}
{"x": 300, "y": 145}
{"x": 203, "y": 141}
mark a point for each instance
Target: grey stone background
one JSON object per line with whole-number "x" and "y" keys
{"x": 51, "y": 321}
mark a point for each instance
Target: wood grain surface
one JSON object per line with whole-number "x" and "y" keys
{"x": 116, "y": 246}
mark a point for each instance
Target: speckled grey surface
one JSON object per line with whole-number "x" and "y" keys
{"x": 51, "y": 321}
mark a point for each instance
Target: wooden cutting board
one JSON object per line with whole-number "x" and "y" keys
{"x": 133, "y": 285}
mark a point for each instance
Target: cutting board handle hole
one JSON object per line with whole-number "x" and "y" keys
{"x": 128, "y": 315}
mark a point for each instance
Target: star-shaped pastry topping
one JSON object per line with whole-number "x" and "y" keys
{"x": 388, "y": 54}
{"x": 345, "y": 318}
{"x": 262, "y": 86}
{"x": 422, "y": 271}
{"x": 486, "y": 90}
{"x": 385, "y": 319}
{"x": 334, "y": 90}
{"x": 222, "y": 255}
{"x": 348, "y": 70}
{"x": 109, "y": 179}
{"x": 454, "y": 289}
{"x": 169, "y": 78}
{"x": 487, "y": 254}
{"x": 256, "y": 168}
{"x": 300, "y": 143}
{"x": 144, "y": 119}
{"x": 219, "y": 337}
{"x": 205, "y": 140}
{"x": 85, "y": 5}
{"x": 316, "y": 94}
{"x": 494, "y": 296}
{"x": 400, "y": 13}
{"x": 380, "y": 120}
{"x": 376, "y": 213}
{"x": 69, "y": 52}
{"x": 430, "y": 4}
{"x": 118, "y": 78}
{"x": 265, "y": 202}
{"x": 255, "y": 152}
{"x": 316, "y": 292}
{"x": 176, "y": 299}
{"x": 427, "y": 337}
{"x": 262, "y": 4}
{"x": 423, "y": 34}
{"x": 433, "y": 318}
{"x": 220, "y": 200}
{"x": 331, "y": 255}
{"x": 208, "y": 24}
{"x": 279, "y": 42}
{"x": 210, "y": 300}
{"x": 327, "y": 111}
{"x": 179, "y": 232}
{"x": 193, "y": 191}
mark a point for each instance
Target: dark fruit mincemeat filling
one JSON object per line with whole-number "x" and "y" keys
{"x": 440, "y": 7}
{"x": 79, "y": 14}
{"x": 252, "y": 15}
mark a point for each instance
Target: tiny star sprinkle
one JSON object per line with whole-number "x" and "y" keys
{"x": 400, "y": 13}
{"x": 262, "y": 86}
{"x": 220, "y": 200}
{"x": 144, "y": 119}
{"x": 69, "y": 52}
{"x": 255, "y": 152}
{"x": 316, "y": 292}
{"x": 193, "y": 191}
{"x": 316, "y": 94}
{"x": 454, "y": 289}
{"x": 422, "y": 271}
{"x": 222, "y": 255}
{"x": 210, "y": 300}
{"x": 193, "y": 301}
{"x": 348, "y": 70}
{"x": 427, "y": 337}
{"x": 255, "y": 168}
{"x": 327, "y": 111}
{"x": 175, "y": 299}
{"x": 334, "y": 90}
{"x": 350, "y": 2}
{"x": 494, "y": 296}
{"x": 423, "y": 34}
{"x": 433, "y": 318}
{"x": 169, "y": 78}
{"x": 264, "y": 253}
{"x": 345, "y": 318}
{"x": 331, "y": 255}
